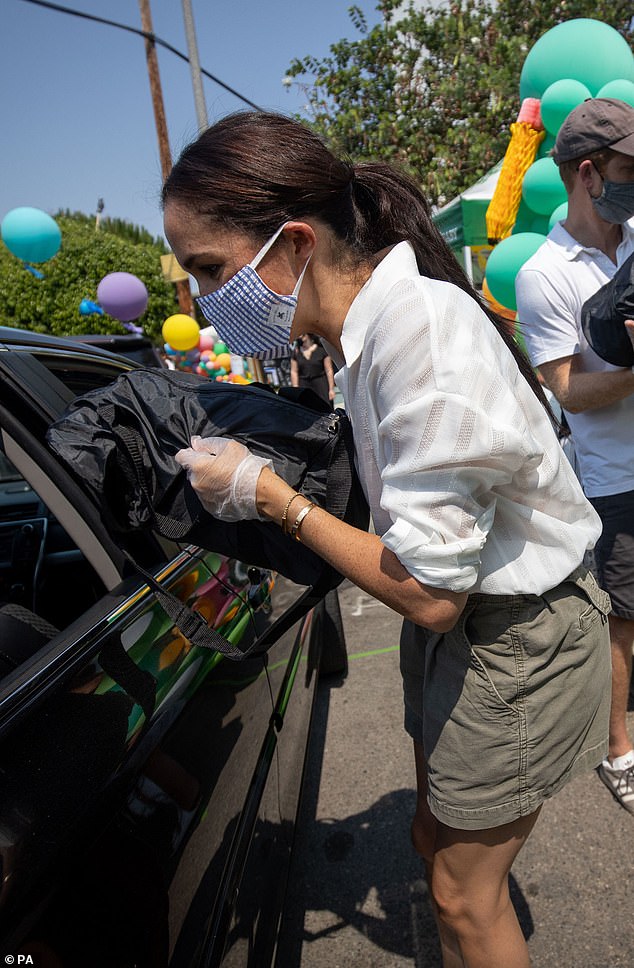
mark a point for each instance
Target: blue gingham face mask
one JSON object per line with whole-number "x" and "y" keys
{"x": 248, "y": 316}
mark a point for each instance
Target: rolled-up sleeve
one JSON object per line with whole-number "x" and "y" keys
{"x": 439, "y": 485}
{"x": 449, "y": 436}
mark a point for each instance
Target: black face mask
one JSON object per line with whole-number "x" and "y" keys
{"x": 616, "y": 201}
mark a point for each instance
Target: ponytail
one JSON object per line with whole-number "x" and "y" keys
{"x": 390, "y": 208}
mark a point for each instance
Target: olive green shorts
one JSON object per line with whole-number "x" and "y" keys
{"x": 512, "y": 703}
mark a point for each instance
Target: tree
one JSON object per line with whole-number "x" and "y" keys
{"x": 51, "y": 304}
{"x": 434, "y": 89}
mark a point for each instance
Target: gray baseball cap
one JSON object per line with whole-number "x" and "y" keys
{"x": 599, "y": 122}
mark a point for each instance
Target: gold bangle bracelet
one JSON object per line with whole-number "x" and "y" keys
{"x": 285, "y": 513}
{"x": 300, "y": 519}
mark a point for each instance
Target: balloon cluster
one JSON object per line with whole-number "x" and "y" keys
{"x": 573, "y": 61}
{"x": 217, "y": 364}
{"x": 188, "y": 348}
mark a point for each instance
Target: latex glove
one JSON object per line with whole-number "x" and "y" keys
{"x": 224, "y": 474}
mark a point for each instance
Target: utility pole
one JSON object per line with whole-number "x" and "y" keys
{"x": 100, "y": 208}
{"x": 194, "y": 64}
{"x": 182, "y": 288}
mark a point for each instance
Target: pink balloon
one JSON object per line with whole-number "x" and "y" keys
{"x": 122, "y": 295}
{"x": 206, "y": 341}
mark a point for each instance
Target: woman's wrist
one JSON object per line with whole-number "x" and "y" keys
{"x": 278, "y": 501}
{"x": 273, "y": 495}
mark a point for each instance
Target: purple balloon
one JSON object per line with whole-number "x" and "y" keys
{"x": 122, "y": 295}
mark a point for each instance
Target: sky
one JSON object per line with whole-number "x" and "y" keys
{"x": 77, "y": 116}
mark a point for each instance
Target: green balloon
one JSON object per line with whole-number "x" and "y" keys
{"x": 546, "y": 146}
{"x": 506, "y": 260}
{"x": 539, "y": 224}
{"x": 220, "y": 347}
{"x": 582, "y": 49}
{"x": 558, "y": 101}
{"x": 542, "y": 188}
{"x": 559, "y": 215}
{"x": 523, "y": 219}
{"x": 620, "y": 88}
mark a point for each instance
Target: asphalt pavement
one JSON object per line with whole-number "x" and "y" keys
{"x": 357, "y": 897}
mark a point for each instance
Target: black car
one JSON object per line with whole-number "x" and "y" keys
{"x": 149, "y": 788}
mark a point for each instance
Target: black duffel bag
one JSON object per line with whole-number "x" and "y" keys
{"x": 603, "y": 315}
{"x": 120, "y": 443}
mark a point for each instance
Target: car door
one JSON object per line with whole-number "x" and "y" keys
{"x": 135, "y": 768}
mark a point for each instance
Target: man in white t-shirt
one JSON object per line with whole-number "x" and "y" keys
{"x": 594, "y": 151}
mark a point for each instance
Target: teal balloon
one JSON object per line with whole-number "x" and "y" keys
{"x": 546, "y": 146}
{"x": 559, "y": 215}
{"x": 620, "y": 88}
{"x": 542, "y": 187}
{"x": 539, "y": 224}
{"x": 506, "y": 260}
{"x": 528, "y": 221}
{"x": 585, "y": 50}
{"x": 523, "y": 218}
{"x": 559, "y": 99}
{"x": 31, "y": 234}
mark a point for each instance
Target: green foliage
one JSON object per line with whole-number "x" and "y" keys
{"x": 118, "y": 227}
{"x": 51, "y": 304}
{"x": 434, "y": 89}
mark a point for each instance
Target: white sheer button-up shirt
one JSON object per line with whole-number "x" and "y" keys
{"x": 463, "y": 472}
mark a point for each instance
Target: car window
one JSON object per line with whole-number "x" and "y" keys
{"x": 41, "y": 567}
{"x": 8, "y": 473}
{"x": 81, "y": 373}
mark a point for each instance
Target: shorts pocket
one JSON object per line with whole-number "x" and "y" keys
{"x": 494, "y": 659}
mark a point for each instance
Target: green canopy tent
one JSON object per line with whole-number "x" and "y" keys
{"x": 462, "y": 223}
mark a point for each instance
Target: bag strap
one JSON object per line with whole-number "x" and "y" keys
{"x": 132, "y": 440}
{"x": 138, "y": 683}
{"x": 339, "y": 475}
{"x": 190, "y": 623}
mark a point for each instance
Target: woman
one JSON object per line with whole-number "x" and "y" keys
{"x": 480, "y": 525}
{"x": 311, "y": 367}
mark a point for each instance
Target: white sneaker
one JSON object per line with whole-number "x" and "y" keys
{"x": 619, "y": 782}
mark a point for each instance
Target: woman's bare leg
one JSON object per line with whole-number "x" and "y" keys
{"x": 424, "y": 826}
{"x": 470, "y": 887}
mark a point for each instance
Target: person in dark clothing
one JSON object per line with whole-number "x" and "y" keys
{"x": 312, "y": 367}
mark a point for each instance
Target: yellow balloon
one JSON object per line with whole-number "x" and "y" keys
{"x": 224, "y": 360}
{"x": 181, "y": 332}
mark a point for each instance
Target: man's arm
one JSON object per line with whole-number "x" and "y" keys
{"x": 577, "y": 390}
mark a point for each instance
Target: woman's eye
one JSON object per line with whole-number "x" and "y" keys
{"x": 211, "y": 271}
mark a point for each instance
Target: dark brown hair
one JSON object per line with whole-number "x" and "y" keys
{"x": 599, "y": 159}
{"x": 253, "y": 171}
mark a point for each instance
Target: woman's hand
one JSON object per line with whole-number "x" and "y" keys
{"x": 224, "y": 475}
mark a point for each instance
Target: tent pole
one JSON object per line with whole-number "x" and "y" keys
{"x": 468, "y": 263}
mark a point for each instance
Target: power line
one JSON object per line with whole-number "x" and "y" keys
{"x": 140, "y": 33}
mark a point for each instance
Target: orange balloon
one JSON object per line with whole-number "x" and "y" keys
{"x": 223, "y": 361}
{"x": 496, "y": 306}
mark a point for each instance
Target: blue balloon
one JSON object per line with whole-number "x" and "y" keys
{"x": 88, "y": 308}
{"x": 31, "y": 234}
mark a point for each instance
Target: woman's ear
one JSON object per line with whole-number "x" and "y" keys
{"x": 303, "y": 238}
